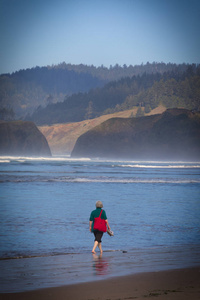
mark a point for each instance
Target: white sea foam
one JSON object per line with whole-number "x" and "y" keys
{"x": 118, "y": 163}
{"x": 186, "y": 166}
{"x": 49, "y": 159}
{"x": 128, "y": 181}
{"x": 106, "y": 180}
{"x": 4, "y": 160}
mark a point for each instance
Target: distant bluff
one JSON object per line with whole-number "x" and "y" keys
{"x": 19, "y": 138}
{"x": 172, "y": 135}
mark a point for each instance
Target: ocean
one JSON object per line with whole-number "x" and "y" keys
{"x": 45, "y": 203}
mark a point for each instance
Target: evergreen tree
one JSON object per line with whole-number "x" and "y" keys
{"x": 147, "y": 109}
{"x": 140, "y": 112}
{"x": 89, "y": 111}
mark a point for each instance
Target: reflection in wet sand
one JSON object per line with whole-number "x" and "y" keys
{"x": 100, "y": 265}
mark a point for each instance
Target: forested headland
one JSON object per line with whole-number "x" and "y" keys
{"x": 172, "y": 135}
{"x": 70, "y": 93}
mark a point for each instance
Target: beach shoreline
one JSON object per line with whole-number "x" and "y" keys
{"x": 170, "y": 284}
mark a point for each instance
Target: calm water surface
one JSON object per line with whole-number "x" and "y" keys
{"x": 152, "y": 207}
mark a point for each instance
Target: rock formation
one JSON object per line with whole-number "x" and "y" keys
{"x": 172, "y": 135}
{"x": 62, "y": 137}
{"x": 19, "y": 138}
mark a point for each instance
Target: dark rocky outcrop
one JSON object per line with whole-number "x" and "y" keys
{"x": 19, "y": 138}
{"x": 174, "y": 135}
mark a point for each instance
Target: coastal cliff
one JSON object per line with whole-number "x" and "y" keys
{"x": 22, "y": 138}
{"x": 62, "y": 137}
{"x": 174, "y": 135}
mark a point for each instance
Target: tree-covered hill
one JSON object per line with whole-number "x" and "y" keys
{"x": 24, "y": 91}
{"x": 117, "y": 72}
{"x": 171, "y": 93}
{"x": 146, "y": 91}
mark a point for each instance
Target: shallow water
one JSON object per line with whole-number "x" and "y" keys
{"x": 51, "y": 271}
{"x": 152, "y": 207}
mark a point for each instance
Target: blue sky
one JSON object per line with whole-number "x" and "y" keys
{"x": 45, "y": 32}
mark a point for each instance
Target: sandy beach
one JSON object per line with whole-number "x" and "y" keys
{"x": 172, "y": 284}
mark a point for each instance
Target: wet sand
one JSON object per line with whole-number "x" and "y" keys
{"x": 172, "y": 284}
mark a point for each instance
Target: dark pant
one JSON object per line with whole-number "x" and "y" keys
{"x": 98, "y": 235}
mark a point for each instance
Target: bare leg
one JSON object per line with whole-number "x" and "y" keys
{"x": 94, "y": 247}
{"x": 100, "y": 247}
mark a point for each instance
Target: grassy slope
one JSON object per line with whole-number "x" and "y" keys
{"x": 62, "y": 137}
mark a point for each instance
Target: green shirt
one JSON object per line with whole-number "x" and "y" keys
{"x": 95, "y": 214}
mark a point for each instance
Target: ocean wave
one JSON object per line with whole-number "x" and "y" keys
{"x": 186, "y": 166}
{"x": 119, "y": 163}
{"x": 48, "y": 159}
{"x": 126, "y": 181}
{"x": 80, "y": 180}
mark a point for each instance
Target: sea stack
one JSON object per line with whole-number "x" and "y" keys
{"x": 22, "y": 138}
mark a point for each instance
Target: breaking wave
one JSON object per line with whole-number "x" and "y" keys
{"x": 120, "y": 164}
{"x": 7, "y": 159}
{"x": 175, "y": 166}
{"x": 22, "y": 179}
